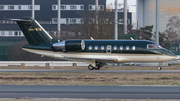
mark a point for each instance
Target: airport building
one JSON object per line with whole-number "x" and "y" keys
{"x": 11, "y": 36}
{"x": 146, "y": 12}
{"x": 46, "y": 14}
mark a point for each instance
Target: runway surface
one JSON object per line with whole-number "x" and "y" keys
{"x": 92, "y": 92}
{"x": 89, "y": 71}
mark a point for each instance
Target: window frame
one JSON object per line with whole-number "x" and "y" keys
{"x": 11, "y": 7}
{"x": 54, "y": 7}
{"x": 82, "y": 7}
{"x": 1, "y": 7}
{"x": 73, "y": 7}
{"x": 29, "y": 7}
{"x": 90, "y": 7}
{"x": 63, "y": 7}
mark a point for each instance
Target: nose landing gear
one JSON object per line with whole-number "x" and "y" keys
{"x": 90, "y": 67}
{"x": 159, "y": 64}
{"x": 159, "y": 68}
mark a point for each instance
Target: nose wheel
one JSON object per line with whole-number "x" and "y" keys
{"x": 96, "y": 67}
{"x": 159, "y": 68}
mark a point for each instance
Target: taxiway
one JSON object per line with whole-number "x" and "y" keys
{"x": 110, "y": 92}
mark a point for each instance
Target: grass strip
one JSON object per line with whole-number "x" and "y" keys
{"x": 113, "y": 79}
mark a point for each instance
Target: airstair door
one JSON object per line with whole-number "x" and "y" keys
{"x": 108, "y": 49}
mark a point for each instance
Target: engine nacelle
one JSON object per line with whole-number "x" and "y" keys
{"x": 70, "y": 45}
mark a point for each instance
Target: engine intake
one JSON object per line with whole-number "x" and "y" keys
{"x": 70, "y": 45}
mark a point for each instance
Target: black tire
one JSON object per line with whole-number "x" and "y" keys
{"x": 90, "y": 67}
{"x": 159, "y": 68}
{"x": 97, "y": 67}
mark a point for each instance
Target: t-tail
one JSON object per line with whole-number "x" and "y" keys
{"x": 33, "y": 31}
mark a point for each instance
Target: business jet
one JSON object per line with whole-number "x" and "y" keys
{"x": 93, "y": 52}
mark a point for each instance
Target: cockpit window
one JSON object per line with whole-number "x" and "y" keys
{"x": 153, "y": 46}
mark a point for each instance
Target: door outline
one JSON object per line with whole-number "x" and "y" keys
{"x": 108, "y": 49}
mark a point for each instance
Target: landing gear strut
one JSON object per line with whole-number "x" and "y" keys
{"x": 159, "y": 67}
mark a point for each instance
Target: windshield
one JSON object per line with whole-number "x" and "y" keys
{"x": 153, "y": 46}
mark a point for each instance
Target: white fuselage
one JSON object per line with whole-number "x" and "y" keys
{"x": 105, "y": 57}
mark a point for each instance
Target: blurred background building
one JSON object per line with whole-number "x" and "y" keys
{"x": 146, "y": 12}
{"x": 12, "y": 38}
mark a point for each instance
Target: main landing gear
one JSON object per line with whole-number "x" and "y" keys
{"x": 97, "y": 67}
{"x": 90, "y": 67}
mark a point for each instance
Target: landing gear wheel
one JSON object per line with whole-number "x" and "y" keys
{"x": 159, "y": 68}
{"x": 97, "y": 67}
{"x": 90, "y": 67}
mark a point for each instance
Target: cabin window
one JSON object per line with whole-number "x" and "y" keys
{"x": 127, "y": 47}
{"x": 96, "y": 47}
{"x": 115, "y": 47}
{"x": 90, "y": 47}
{"x": 134, "y": 48}
{"x": 153, "y": 46}
{"x": 121, "y": 47}
{"x": 102, "y": 47}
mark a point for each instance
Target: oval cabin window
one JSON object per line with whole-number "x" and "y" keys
{"x": 121, "y": 47}
{"x": 115, "y": 47}
{"x": 90, "y": 47}
{"x": 102, "y": 47}
{"x": 96, "y": 47}
{"x": 127, "y": 47}
{"x": 134, "y": 48}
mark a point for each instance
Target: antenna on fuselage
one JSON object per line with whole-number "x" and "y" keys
{"x": 131, "y": 38}
{"x": 91, "y": 38}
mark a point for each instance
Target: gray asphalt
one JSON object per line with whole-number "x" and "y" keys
{"x": 89, "y": 71}
{"x": 111, "y": 92}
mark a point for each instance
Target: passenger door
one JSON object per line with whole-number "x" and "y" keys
{"x": 108, "y": 48}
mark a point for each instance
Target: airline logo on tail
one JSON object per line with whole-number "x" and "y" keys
{"x": 34, "y": 29}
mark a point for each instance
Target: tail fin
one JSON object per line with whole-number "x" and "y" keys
{"x": 33, "y": 31}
